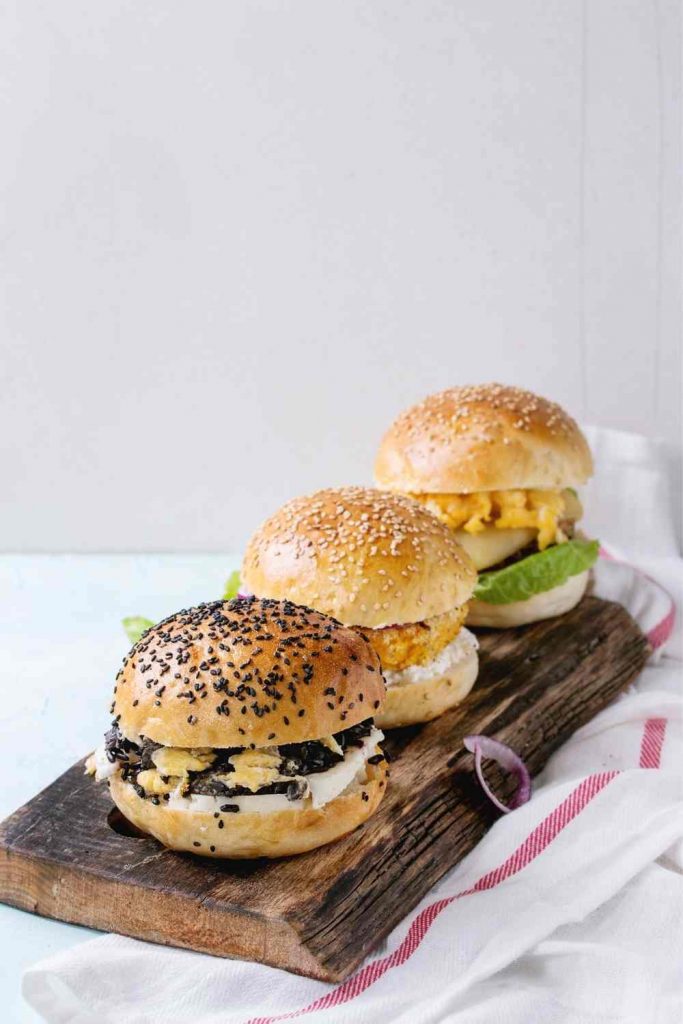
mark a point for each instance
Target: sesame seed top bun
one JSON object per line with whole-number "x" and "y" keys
{"x": 368, "y": 558}
{"x": 232, "y": 673}
{"x": 483, "y": 437}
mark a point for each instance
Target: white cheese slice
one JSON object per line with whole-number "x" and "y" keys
{"x": 492, "y": 545}
{"x": 247, "y": 804}
{"x": 325, "y": 786}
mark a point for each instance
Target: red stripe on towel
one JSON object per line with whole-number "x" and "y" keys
{"x": 533, "y": 845}
{"x": 652, "y": 743}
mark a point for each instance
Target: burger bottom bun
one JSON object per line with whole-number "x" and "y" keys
{"x": 541, "y": 606}
{"x": 274, "y": 834}
{"x": 409, "y": 703}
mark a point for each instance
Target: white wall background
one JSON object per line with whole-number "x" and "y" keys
{"x": 237, "y": 238}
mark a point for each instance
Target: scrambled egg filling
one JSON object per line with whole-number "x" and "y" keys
{"x": 536, "y": 509}
{"x": 171, "y": 769}
{"x": 155, "y": 784}
{"x": 254, "y": 769}
{"x": 178, "y": 761}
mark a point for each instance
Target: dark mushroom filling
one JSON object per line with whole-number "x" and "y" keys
{"x": 296, "y": 760}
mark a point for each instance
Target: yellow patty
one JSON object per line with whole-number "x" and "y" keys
{"x": 415, "y": 643}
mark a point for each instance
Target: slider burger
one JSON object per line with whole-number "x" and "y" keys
{"x": 499, "y": 465}
{"x": 246, "y": 728}
{"x": 384, "y": 564}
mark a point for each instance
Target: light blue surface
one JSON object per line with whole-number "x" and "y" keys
{"x": 62, "y": 642}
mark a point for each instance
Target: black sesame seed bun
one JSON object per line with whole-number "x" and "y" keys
{"x": 484, "y": 437}
{"x": 233, "y": 673}
{"x": 369, "y": 558}
{"x": 273, "y": 834}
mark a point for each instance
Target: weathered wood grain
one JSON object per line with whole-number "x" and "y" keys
{"x": 68, "y": 855}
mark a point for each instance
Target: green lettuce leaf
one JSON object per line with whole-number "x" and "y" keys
{"x": 135, "y": 626}
{"x": 232, "y": 586}
{"x": 537, "y": 573}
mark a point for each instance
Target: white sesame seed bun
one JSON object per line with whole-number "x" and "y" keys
{"x": 482, "y": 437}
{"x": 274, "y": 834}
{"x": 547, "y": 605}
{"x": 366, "y": 557}
{"x": 272, "y": 672}
{"x": 422, "y": 701}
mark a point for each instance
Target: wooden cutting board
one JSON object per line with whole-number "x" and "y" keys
{"x": 68, "y": 854}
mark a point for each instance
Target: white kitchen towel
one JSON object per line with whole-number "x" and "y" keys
{"x": 570, "y": 910}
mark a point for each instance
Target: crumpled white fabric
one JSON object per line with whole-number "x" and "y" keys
{"x": 570, "y": 910}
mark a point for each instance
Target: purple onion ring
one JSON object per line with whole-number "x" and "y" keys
{"x": 484, "y": 746}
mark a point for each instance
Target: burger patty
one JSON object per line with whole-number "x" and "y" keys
{"x": 415, "y": 643}
{"x": 297, "y": 759}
